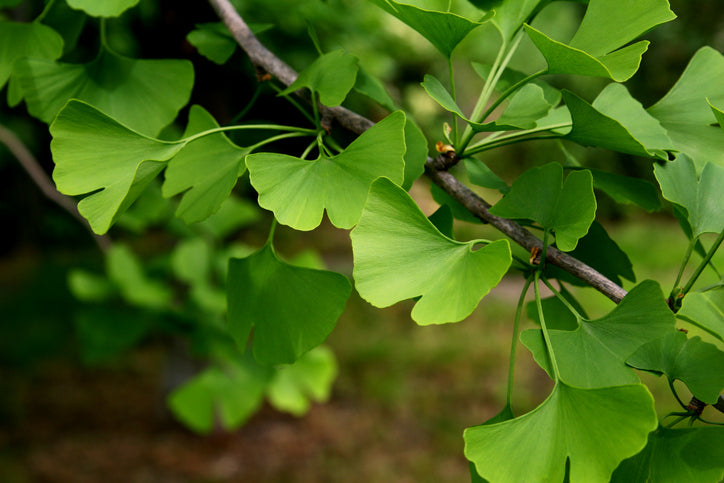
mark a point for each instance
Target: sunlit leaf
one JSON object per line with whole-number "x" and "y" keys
{"x": 577, "y": 424}
{"x": 705, "y": 309}
{"x": 331, "y": 76}
{"x": 415, "y": 154}
{"x": 510, "y": 16}
{"x": 291, "y": 309}
{"x": 597, "y": 49}
{"x": 94, "y": 152}
{"x": 143, "y": 94}
{"x": 685, "y": 113}
{"x": 293, "y": 388}
{"x": 207, "y": 167}
{"x": 299, "y": 190}
{"x": 618, "y": 122}
{"x": 229, "y": 394}
{"x": 595, "y": 354}
{"x": 399, "y": 254}
{"x": 675, "y": 456}
{"x": 102, "y": 8}
{"x": 540, "y": 194}
{"x": 692, "y": 361}
{"x": 701, "y": 195}
{"x": 444, "y": 30}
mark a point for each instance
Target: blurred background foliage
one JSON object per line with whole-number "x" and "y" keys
{"x": 404, "y": 393}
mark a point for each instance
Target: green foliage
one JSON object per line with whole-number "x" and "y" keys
{"x": 109, "y": 121}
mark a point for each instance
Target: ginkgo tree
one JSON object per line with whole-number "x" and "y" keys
{"x": 261, "y": 319}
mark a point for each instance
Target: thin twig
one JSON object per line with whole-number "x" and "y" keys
{"x": 263, "y": 59}
{"x": 41, "y": 179}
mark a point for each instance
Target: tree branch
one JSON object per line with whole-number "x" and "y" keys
{"x": 265, "y": 60}
{"x": 41, "y": 179}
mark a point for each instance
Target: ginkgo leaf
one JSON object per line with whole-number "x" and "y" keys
{"x": 207, "y": 167}
{"x": 597, "y": 49}
{"x": 692, "y": 361}
{"x": 510, "y": 16}
{"x": 701, "y": 195}
{"x": 509, "y": 77}
{"x": 331, "y": 76}
{"x": 20, "y": 40}
{"x": 618, "y": 122}
{"x": 718, "y": 113}
{"x": 444, "y": 30}
{"x": 675, "y": 456}
{"x": 578, "y": 425}
{"x": 143, "y": 94}
{"x": 594, "y": 355}
{"x": 415, "y": 153}
{"x": 705, "y": 309}
{"x": 540, "y": 194}
{"x": 294, "y": 387}
{"x": 399, "y": 254}
{"x": 94, "y": 152}
{"x": 298, "y": 190}
{"x": 685, "y": 113}
{"x": 103, "y": 8}
{"x": 231, "y": 394}
{"x": 600, "y": 252}
{"x": 291, "y": 309}
{"x": 625, "y": 189}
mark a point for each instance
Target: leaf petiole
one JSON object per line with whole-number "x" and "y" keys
{"x": 514, "y": 343}
{"x": 704, "y": 263}
{"x": 241, "y": 127}
{"x": 544, "y": 328}
{"x": 563, "y": 300}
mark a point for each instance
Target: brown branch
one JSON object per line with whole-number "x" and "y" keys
{"x": 41, "y": 179}
{"x": 263, "y": 59}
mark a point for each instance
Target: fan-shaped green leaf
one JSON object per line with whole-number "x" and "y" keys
{"x": 686, "y": 114}
{"x": 299, "y": 190}
{"x": 705, "y": 309}
{"x": 231, "y": 393}
{"x": 20, "y": 40}
{"x": 598, "y": 251}
{"x": 94, "y": 152}
{"x": 144, "y": 94}
{"x": 624, "y": 189}
{"x": 694, "y": 362}
{"x": 207, "y": 167}
{"x": 415, "y": 153}
{"x": 213, "y": 41}
{"x": 595, "y": 354}
{"x": 510, "y": 16}
{"x": 577, "y": 424}
{"x": 617, "y": 121}
{"x": 103, "y": 8}
{"x": 539, "y": 194}
{"x": 700, "y": 195}
{"x": 331, "y": 76}
{"x": 675, "y": 456}
{"x": 291, "y": 309}
{"x": 605, "y": 28}
{"x": 399, "y": 254}
{"x": 294, "y": 387}
{"x": 481, "y": 175}
{"x": 444, "y": 30}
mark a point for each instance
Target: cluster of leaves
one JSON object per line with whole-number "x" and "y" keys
{"x": 599, "y": 422}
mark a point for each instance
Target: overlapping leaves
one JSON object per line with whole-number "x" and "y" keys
{"x": 208, "y": 168}
{"x": 145, "y": 94}
{"x": 685, "y": 110}
{"x": 594, "y": 355}
{"x": 599, "y": 46}
{"x": 399, "y": 254}
{"x": 444, "y": 30}
{"x": 20, "y": 40}
{"x": 540, "y": 194}
{"x": 298, "y": 191}
{"x": 705, "y": 309}
{"x": 331, "y": 76}
{"x": 291, "y": 309}
{"x": 690, "y": 360}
